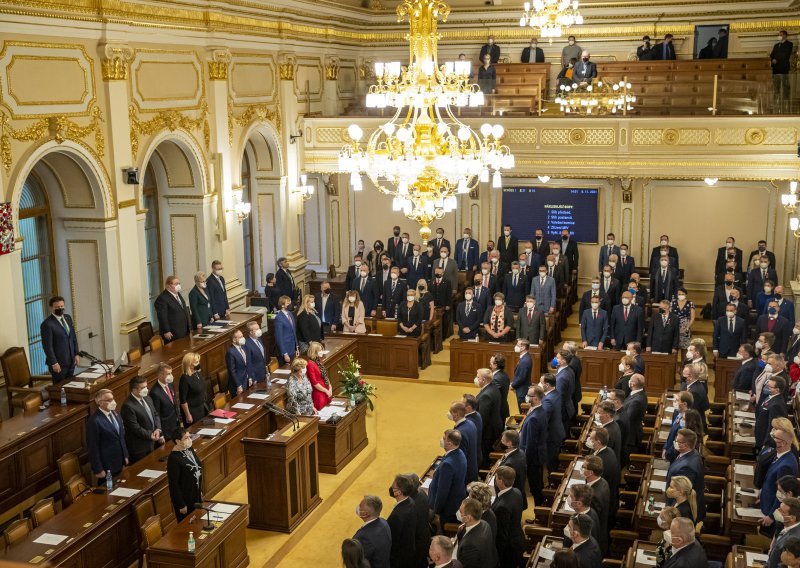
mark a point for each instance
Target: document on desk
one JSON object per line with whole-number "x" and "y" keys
{"x": 150, "y": 473}
{"x": 223, "y": 420}
{"x": 258, "y": 395}
{"x": 242, "y": 406}
{"x": 375, "y": 335}
{"x": 591, "y": 348}
{"x": 669, "y": 409}
{"x": 749, "y": 512}
{"x": 50, "y": 539}
{"x": 744, "y": 439}
{"x": 662, "y": 435}
{"x": 124, "y": 492}
{"x": 660, "y": 473}
{"x": 427, "y": 483}
{"x": 218, "y": 517}
{"x": 658, "y": 485}
{"x": 210, "y": 432}
{"x": 547, "y": 553}
{"x": 742, "y": 396}
{"x": 76, "y": 384}
{"x": 286, "y": 372}
{"x": 743, "y": 414}
{"x": 744, "y": 469}
{"x": 227, "y": 508}
{"x": 279, "y": 382}
{"x": 646, "y": 557}
{"x": 666, "y": 422}
{"x": 753, "y": 557}
{"x": 225, "y": 322}
{"x": 215, "y": 329}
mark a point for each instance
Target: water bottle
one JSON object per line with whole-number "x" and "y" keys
{"x": 651, "y": 505}
{"x": 63, "y": 397}
{"x": 109, "y": 481}
{"x": 190, "y": 548}
{"x": 604, "y": 393}
{"x": 352, "y": 400}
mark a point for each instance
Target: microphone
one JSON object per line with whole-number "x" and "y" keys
{"x": 278, "y": 410}
{"x": 208, "y": 526}
{"x": 95, "y": 360}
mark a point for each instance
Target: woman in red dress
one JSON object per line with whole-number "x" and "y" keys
{"x": 321, "y": 389}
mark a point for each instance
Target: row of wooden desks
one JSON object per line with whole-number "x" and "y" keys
{"x": 643, "y": 555}
{"x": 740, "y": 426}
{"x": 741, "y": 505}
{"x": 600, "y": 368}
{"x": 466, "y": 357}
{"x": 385, "y": 355}
{"x": 652, "y": 497}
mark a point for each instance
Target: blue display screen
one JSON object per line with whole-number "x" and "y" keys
{"x": 552, "y": 210}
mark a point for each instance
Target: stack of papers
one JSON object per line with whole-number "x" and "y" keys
{"x": 258, "y": 395}
{"x": 744, "y": 439}
{"x": 226, "y": 508}
{"x": 742, "y": 414}
{"x": 669, "y": 410}
{"x": 753, "y": 557}
{"x": 209, "y": 432}
{"x": 645, "y": 557}
{"x": 279, "y": 381}
{"x": 286, "y": 372}
{"x": 75, "y": 385}
{"x": 124, "y": 492}
{"x": 744, "y": 469}
{"x": 666, "y": 422}
{"x": 660, "y": 473}
{"x": 150, "y": 473}
{"x": 223, "y": 420}
{"x": 225, "y": 322}
{"x": 218, "y": 517}
{"x": 749, "y": 512}
{"x": 242, "y": 406}
{"x": 742, "y": 396}
{"x": 337, "y": 402}
{"x": 214, "y": 329}
{"x": 547, "y": 553}
{"x": 659, "y": 486}
{"x": 427, "y": 483}
{"x": 50, "y": 539}
{"x": 327, "y": 412}
{"x": 662, "y": 435}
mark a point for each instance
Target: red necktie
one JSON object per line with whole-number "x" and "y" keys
{"x": 626, "y": 313}
{"x": 169, "y": 394}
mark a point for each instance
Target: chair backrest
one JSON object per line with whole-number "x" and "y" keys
{"x": 15, "y": 367}
{"x": 151, "y": 530}
{"x": 156, "y": 343}
{"x": 74, "y": 489}
{"x": 134, "y": 354}
{"x": 17, "y": 531}
{"x": 145, "y": 331}
{"x": 273, "y": 364}
{"x": 144, "y": 509}
{"x": 43, "y": 511}
{"x": 68, "y": 466}
{"x": 220, "y": 400}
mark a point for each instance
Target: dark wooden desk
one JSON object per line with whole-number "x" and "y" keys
{"x": 663, "y": 422}
{"x": 466, "y": 357}
{"x": 739, "y": 430}
{"x": 631, "y": 558}
{"x": 660, "y": 371}
{"x": 738, "y": 557}
{"x": 543, "y": 553}
{"x": 339, "y": 285}
{"x": 600, "y": 369}
{"x": 393, "y": 356}
{"x": 223, "y": 546}
{"x": 741, "y": 478}
{"x": 339, "y": 443}
{"x": 102, "y": 530}
{"x": 724, "y": 371}
{"x": 645, "y": 517}
{"x": 30, "y": 444}
{"x": 559, "y": 514}
{"x": 119, "y": 383}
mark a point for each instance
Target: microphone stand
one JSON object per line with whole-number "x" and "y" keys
{"x": 209, "y": 525}
{"x": 96, "y": 361}
{"x": 278, "y": 410}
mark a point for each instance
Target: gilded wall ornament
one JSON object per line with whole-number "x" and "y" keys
{"x": 169, "y": 119}
{"x": 264, "y": 112}
{"x": 114, "y": 61}
{"x": 218, "y": 65}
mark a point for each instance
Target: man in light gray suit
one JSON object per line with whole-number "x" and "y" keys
{"x": 790, "y": 509}
{"x": 543, "y": 288}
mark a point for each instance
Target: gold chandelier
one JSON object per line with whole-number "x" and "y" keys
{"x": 596, "y": 99}
{"x": 424, "y": 156}
{"x": 551, "y": 16}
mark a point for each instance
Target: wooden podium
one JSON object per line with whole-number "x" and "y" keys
{"x": 282, "y": 474}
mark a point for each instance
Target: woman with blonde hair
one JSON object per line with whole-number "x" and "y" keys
{"x": 199, "y": 302}
{"x": 785, "y": 425}
{"x": 483, "y": 493}
{"x": 664, "y": 547}
{"x": 192, "y": 390}
{"x": 627, "y": 366}
{"x": 425, "y": 300}
{"x": 680, "y": 489}
{"x": 309, "y": 324}
{"x": 322, "y": 392}
{"x": 353, "y": 313}
{"x": 298, "y": 390}
{"x": 409, "y": 315}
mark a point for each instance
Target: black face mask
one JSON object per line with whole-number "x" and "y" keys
{"x": 378, "y": 248}
{"x": 438, "y": 276}
{"x": 386, "y": 266}
{"x": 729, "y": 270}
{"x": 489, "y": 248}
{"x": 729, "y": 283}
{"x": 59, "y": 312}
{"x": 397, "y": 233}
{"x": 586, "y": 60}
{"x": 326, "y": 292}
{"x": 762, "y": 249}
{"x": 478, "y": 284}
{"x": 662, "y": 310}
{"x": 421, "y": 288}
{"x": 778, "y": 296}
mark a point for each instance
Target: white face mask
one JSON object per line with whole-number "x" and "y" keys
{"x": 676, "y": 445}
{"x": 465, "y": 236}
{"x": 143, "y": 392}
{"x": 681, "y": 297}
{"x": 484, "y": 271}
{"x": 662, "y": 524}
{"x": 595, "y": 306}
{"x": 363, "y": 274}
{"x": 664, "y": 242}
{"x": 187, "y": 444}
{"x": 443, "y": 254}
{"x": 759, "y": 345}
{"x": 439, "y": 235}
{"x": 764, "y": 265}
{"x": 358, "y": 511}
{"x": 621, "y": 367}
{"x": 515, "y": 271}
{"x": 780, "y": 495}
{"x": 778, "y": 515}
{"x": 595, "y": 286}
{"x": 507, "y": 233}
{"x": 201, "y": 285}
{"x": 258, "y": 333}
{"x": 611, "y": 263}
{"x": 567, "y": 532}
{"x": 441, "y": 444}
{"x": 498, "y": 302}
{"x": 623, "y": 253}
{"x": 590, "y": 443}
{"x": 242, "y": 340}
{"x": 626, "y": 301}
{"x": 550, "y": 263}
{"x": 468, "y": 297}
{"x": 730, "y": 315}
{"x": 393, "y": 276}
{"x": 458, "y": 516}
{"x": 405, "y": 240}
{"x": 528, "y": 251}
{"x": 357, "y": 264}
{"x": 416, "y": 252}
{"x": 530, "y": 305}
{"x": 517, "y": 349}
{"x": 571, "y": 42}
{"x": 476, "y": 382}
{"x": 168, "y": 379}
{"x": 449, "y": 416}
{"x": 410, "y": 298}
{"x": 177, "y": 288}
{"x": 112, "y": 406}
{"x": 610, "y": 242}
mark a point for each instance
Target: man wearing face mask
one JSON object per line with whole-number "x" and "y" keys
{"x": 105, "y": 438}
{"x": 402, "y": 523}
{"x": 492, "y": 49}
{"x": 507, "y": 508}
{"x": 594, "y": 326}
{"x": 785, "y": 307}
{"x": 514, "y": 287}
{"x": 485, "y": 287}
{"x": 172, "y": 311}
{"x": 522, "y": 372}
{"x": 569, "y": 252}
{"x": 469, "y": 315}
{"x": 761, "y": 253}
{"x": 448, "y": 488}
{"x": 329, "y": 308}
{"x": 353, "y": 271}
{"x": 484, "y": 258}
{"x": 771, "y": 408}
{"x": 607, "y": 250}
{"x": 610, "y": 287}
{"x": 689, "y": 463}
{"x": 256, "y": 354}
{"x": 760, "y": 279}
{"x": 59, "y": 341}
{"x": 627, "y": 322}
{"x": 142, "y": 422}
{"x": 514, "y": 458}
{"x": 394, "y": 292}
{"x": 533, "y": 53}
{"x": 442, "y": 291}
{"x": 285, "y": 280}
{"x": 665, "y": 281}
{"x": 728, "y": 252}
{"x": 743, "y": 379}
{"x": 789, "y": 514}
{"x": 374, "y": 535}
{"x": 560, "y": 269}
{"x": 584, "y": 545}
{"x": 475, "y": 544}
{"x": 368, "y": 290}
{"x": 438, "y": 243}
{"x": 570, "y": 51}
{"x": 469, "y": 438}
{"x": 664, "y": 330}
{"x": 780, "y": 57}
{"x": 404, "y": 254}
{"x": 448, "y": 265}
{"x": 489, "y": 407}
{"x": 594, "y": 291}
{"x": 579, "y": 498}
{"x": 722, "y": 295}
{"x": 672, "y": 255}
{"x": 393, "y": 243}
{"x": 417, "y": 266}
{"x": 555, "y": 425}
{"x": 634, "y": 408}
{"x": 237, "y": 364}
{"x": 686, "y": 551}
{"x": 764, "y": 296}
{"x": 531, "y": 322}
{"x": 467, "y": 253}
{"x": 681, "y": 404}
{"x": 526, "y": 270}
{"x": 533, "y": 441}
{"x": 665, "y": 51}
{"x": 645, "y": 52}
{"x": 585, "y": 70}
{"x": 217, "y": 294}
{"x": 597, "y": 442}
{"x": 730, "y": 332}
{"x": 565, "y": 384}
{"x": 507, "y": 246}
{"x": 776, "y": 324}
{"x": 793, "y": 345}
{"x": 165, "y": 399}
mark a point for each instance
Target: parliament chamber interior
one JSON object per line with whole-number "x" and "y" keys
{"x": 532, "y": 266}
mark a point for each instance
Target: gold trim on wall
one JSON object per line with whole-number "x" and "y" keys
{"x": 191, "y": 58}
{"x": 127, "y": 203}
{"x": 257, "y": 112}
{"x": 165, "y": 165}
{"x": 27, "y": 57}
{"x": 167, "y": 119}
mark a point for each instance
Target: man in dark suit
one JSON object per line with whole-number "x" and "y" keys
{"x": 375, "y": 535}
{"x": 565, "y": 385}
{"x": 665, "y": 51}
{"x": 560, "y": 269}
{"x": 142, "y": 423}
{"x": 598, "y": 443}
{"x": 581, "y": 496}
{"x": 626, "y": 265}
{"x": 743, "y": 379}
{"x": 627, "y": 322}
{"x": 514, "y": 458}
{"x": 594, "y": 292}
{"x": 442, "y": 291}
{"x": 489, "y": 408}
{"x": 775, "y": 324}
{"x": 772, "y": 407}
{"x": 393, "y": 243}
{"x": 689, "y": 463}
{"x": 422, "y": 507}
{"x": 686, "y": 551}
{"x": 404, "y": 254}
{"x": 403, "y": 524}
{"x": 576, "y": 365}
{"x": 475, "y": 544}
{"x": 698, "y": 389}
{"x": 665, "y": 281}
{"x": 441, "y": 552}
{"x": 59, "y": 342}
{"x": 533, "y": 442}
{"x": 438, "y": 243}
{"x": 514, "y": 287}
{"x": 507, "y": 507}
{"x": 790, "y": 510}
{"x": 635, "y": 407}
{"x": 484, "y": 257}
{"x": 606, "y": 251}
{"x": 531, "y": 322}
{"x": 522, "y": 372}
{"x": 729, "y": 252}
{"x": 540, "y": 245}
{"x": 672, "y": 255}
{"x": 781, "y": 57}
{"x": 594, "y": 326}
{"x": 555, "y": 425}
{"x": 507, "y": 246}
{"x": 605, "y": 415}
{"x": 601, "y": 493}
{"x": 721, "y": 49}
{"x": 471, "y": 408}
{"x": 329, "y": 308}
{"x": 492, "y": 49}
{"x": 467, "y": 252}
{"x": 729, "y": 333}
{"x": 469, "y": 438}
{"x": 569, "y": 250}
{"x": 584, "y": 545}
{"x": 722, "y": 295}
{"x": 217, "y": 296}
{"x": 394, "y": 293}
{"x": 664, "y": 330}
{"x": 500, "y": 379}
{"x": 758, "y": 278}
{"x": 610, "y": 287}
{"x": 584, "y": 70}
{"x": 237, "y": 364}
{"x": 418, "y": 268}
{"x": 526, "y": 269}
{"x": 105, "y": 438}
{"x": 165, "y": 400}
{"x": 285, "y": 280}
{"x": 646, "y": 51}
{"x": 535, "y": 54}
{"x": 762, "y": 253}
{"x": 172, "y": 311}
{"x": 469, "y": 316}
{"x": 286, "y": 331}
{"x": 367, "y": 289}
{"x": 448, "y": 488}
{"x": 682, "y": 403}
{"x": 353, "y": 271}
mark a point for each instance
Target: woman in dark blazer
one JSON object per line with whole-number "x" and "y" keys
{"x": 192, "y": 390}
{"x": 199, "y": 302}
{"x": 309, "y": 326}
{"x": 409, "y": 316}
{"x": 184, "y": 475}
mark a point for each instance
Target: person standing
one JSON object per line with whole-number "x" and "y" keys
{"x": 59, "y": 341}
{"x": 184, "y": 474}
{"x": 403, "y": 524}
{"x": 172, "y": 311}
{"x": 780, "y": 57}
{"x": 284, "y": 280}
{"x": 142, "y": 423}
{"x": 571, "y": 51}
{"x": 322, "y": 392}
{"x": 491, "y": 49}
{"x": 165, "y": 400}
{"x": 256, "y": 354}
{"x": 309, "y": 324}
{"x": 487, "y": 75}
{"x": 238, "y": 365}
{"x": 286, "y": 331}
{"x": 533, "y": 440}
{"x": 192, "y": 390}
{"x": 665, "y": 51}
{"x": 329, "y": 308}
{"x": 220, "y": 308}
{"x": 646, "y": 51}
{"x": 522, "y": 372}
{"x": 721, "y": 50}
{"x": 105, "y": 438}
{"x": 448, "y": 486}
{"x": 507, "y": 508}
{"x": 200, "y": 303}
{"x": 475, "y": 545}
{"x": 298, "y": 390}
{"x": 533, "y": 53}
{"x": 374, "y": 535}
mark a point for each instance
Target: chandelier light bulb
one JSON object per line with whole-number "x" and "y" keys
{"x": 793, "y": 186}
{"x": 711, "y": 181}
{"x": 403, "y": 134}
{"x": 498, "y": 131}
{"x": 544, "y": 179}
{"x": 355, "y": 132}
{"x": 462, "y": 186}
{"x": 497, "y": 180}
{"x": 486, "y": 129}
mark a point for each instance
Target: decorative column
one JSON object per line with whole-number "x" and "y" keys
{"x": 128, "y": 282}
{"x": 330, "y": 94}
{"x": 366, "y": 76}
{"x": 291, "y": 123}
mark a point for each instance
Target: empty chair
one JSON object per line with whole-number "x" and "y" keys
{"x": 151, "y": 531}
{"x": 156, "y": 343}
{"x": 68, "y": 467}
{"x": 145, "y": 331}
{"x": 17, "y": 531}
{"x": 20, "y": 384}
{"x": 144, "y": 508}
{"x": 43, "y": 511}
{"x": 220, "y": 400}
{"x": 134, "y": 354}
{"x": 74, "y": 489}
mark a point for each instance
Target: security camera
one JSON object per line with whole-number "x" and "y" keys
{"x": 131, "y": 175}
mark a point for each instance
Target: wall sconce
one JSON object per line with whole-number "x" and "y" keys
{"x": 240, "y": 208}
{"x": 711, "y": 182}
{"x": 544, "y": 179}
{"x": 789, "y": 200}
{"x": 293, "y": 137}
{"x": 794, "y": 226}
{"x": 304, "y": 189}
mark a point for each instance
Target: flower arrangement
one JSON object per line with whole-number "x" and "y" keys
{"x": 353, "y": 384}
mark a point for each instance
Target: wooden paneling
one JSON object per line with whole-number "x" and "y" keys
{"x": 339, "y": 443}
{"x": 466, "y": 357}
